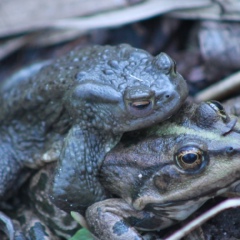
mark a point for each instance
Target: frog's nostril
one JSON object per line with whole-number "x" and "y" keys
{"x": 230, "y": 150}
{"x": 166, "y": 95}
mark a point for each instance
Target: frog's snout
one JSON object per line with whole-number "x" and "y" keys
{"x": 166, "y": 96}
{"x": 230, "y": 150}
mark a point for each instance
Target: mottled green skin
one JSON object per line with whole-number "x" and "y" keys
{"x": 76, "y": 109}
{"x": 157, "y": 186}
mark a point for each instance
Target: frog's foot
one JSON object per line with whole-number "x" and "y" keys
{"x": 115, "y": 219}
{"x": 11, "y": 228}
{"x": 76, "y": 185}
{"x": 51, "y": 154}
{"x": 38, "y": 231}
{"x": 11, "y": 173}
{"x": 58, "y": 221}
{"x": 7, "y": 226}
{"x": 29, "y": 226}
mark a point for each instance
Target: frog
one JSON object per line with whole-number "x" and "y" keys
{"x": 154, "y": 177}
{"x": 163, "y": 174}
{"x": 74, "y": 110}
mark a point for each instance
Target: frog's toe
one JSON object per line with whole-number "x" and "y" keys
{"x": 7, "y": 225}
{"x": 108, "y": 220}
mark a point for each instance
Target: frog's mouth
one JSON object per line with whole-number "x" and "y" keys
{"x": 167, "y": 215}
{"x": 176, "y": 211}
{"x": 180, "y": 210}
{"x": 176, "y": 202}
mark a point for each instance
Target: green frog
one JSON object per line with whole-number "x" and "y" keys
{"x": 158, "y": 176}
{"x": 162, "y": 175}
{"x": 75, "y": 110}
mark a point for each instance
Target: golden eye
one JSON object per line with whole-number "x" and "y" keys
{"x": 217, "y": 107}
{"x": 139, "y": 100}
{"x": 141, "y": 104}
{"x": 190, "y": 158}
{"x": 140, "y": 108}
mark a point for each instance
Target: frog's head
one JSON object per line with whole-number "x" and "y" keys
{"x": 125, "y": 88}
{"x": 179, "y": 163}
{"x": 153, "y": 94}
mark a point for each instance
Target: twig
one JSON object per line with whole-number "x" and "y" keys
{"x": 221, "y": 89}
{"x": 204, "y": 217}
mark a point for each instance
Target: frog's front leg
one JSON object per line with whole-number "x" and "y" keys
{"x": 116, "y": 219}
{"x": 10, "y": 170}
{"x": 76, "y": 185}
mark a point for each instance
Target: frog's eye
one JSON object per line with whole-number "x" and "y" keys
{"x": 165, "y": 63}
{"x": 139, "y": 100}
{"x": 174, "y": 67}
{"x": 217, "y": 107}
{"x": 140, "y": 108}
{"x": 191, "y": 158}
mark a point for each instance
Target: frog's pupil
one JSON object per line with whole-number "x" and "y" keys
{"x": 189, "y": 158}
{"x": 140, "y": 105}
{"x": 218, "y": 105}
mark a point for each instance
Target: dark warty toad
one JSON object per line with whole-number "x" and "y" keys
{"x": 76, "y": 109}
